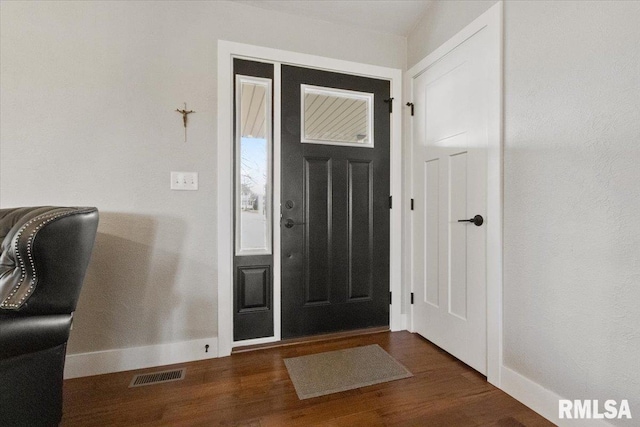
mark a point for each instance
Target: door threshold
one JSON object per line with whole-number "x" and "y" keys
{"x": 310, "y": 339}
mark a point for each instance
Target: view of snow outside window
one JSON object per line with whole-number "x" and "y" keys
{"x": 254, "y": 203}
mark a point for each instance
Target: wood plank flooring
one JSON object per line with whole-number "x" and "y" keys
{"x": 253, "y": 389}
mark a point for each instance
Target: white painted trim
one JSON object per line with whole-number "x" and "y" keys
{"x": 395, "y": 238}
{"x": 404, "y": 322}
{"x": 277, "y": 186}
{"x": 410, "y": 224}
{"x": 495, "y": 200}
{"x": 491, "y": 21}
{"x": 126, "y": 359}
{"x": 224, "y": 154}
{"x": 226, "y": 52}
{"x": 540, "y": 399}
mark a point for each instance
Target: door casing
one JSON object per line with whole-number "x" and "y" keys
{"x": 226, "y": 52}
{"x": 492, "y": 22}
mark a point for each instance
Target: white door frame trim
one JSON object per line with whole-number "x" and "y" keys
{"x": 226, "y": 52}
{"x": 491, "y": 21}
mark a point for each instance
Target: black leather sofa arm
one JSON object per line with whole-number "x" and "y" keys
{"x": 21, "y": 335}
{"x": 44, "y": 243}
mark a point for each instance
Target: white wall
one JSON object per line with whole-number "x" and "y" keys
{"x": 572, "y": 192}
{"x": 89, "y": 92}
{"x": 442, "y": 20}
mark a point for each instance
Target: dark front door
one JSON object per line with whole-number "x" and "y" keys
{"x": 335, "y": 202}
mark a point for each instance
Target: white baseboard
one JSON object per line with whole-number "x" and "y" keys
{"x": 404, "y": 322}
{"x": 126, "y": 359}
{"x": 538, "y": 398}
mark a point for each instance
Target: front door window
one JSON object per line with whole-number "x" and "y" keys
{"x": 336, "y": 116}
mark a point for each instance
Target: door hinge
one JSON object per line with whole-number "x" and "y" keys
{"x": 410, "y": 104}
{"x": 390, "y": 102}
{"x": 390, "y": 299}
{"x": 390, "y": 202}
{"x": 411, "y": 297}
{"x": 411, "y": 204}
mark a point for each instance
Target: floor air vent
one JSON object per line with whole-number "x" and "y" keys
{"x": 158, "y": 377}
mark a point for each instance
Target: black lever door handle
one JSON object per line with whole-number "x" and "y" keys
{"x": 289, "y": 223}
{"x": 477, "y": 220}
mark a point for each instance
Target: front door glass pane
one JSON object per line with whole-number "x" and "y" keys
{"x": 336, "y": 117}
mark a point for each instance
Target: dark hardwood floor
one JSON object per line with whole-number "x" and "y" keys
{"x": 253, "y": 389}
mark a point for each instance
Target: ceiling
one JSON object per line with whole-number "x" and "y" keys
{"x": 397, "y": 17}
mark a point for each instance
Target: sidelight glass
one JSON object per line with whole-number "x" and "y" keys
{"x": 253, "y": 166}
{"x": 336, "y": 117}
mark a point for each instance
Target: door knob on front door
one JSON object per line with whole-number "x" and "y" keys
{"x": 289, "y": 223}
{"x": 477, "y": 220}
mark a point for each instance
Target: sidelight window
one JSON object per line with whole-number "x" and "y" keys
{"x": 253, "y": 166}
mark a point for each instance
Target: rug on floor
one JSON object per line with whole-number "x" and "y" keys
{"x": 334, "y": 371}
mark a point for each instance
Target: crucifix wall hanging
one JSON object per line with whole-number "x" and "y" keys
{"x": 185, "y": 113}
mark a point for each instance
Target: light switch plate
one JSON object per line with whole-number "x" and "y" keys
{"x": 184, "y": 181}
